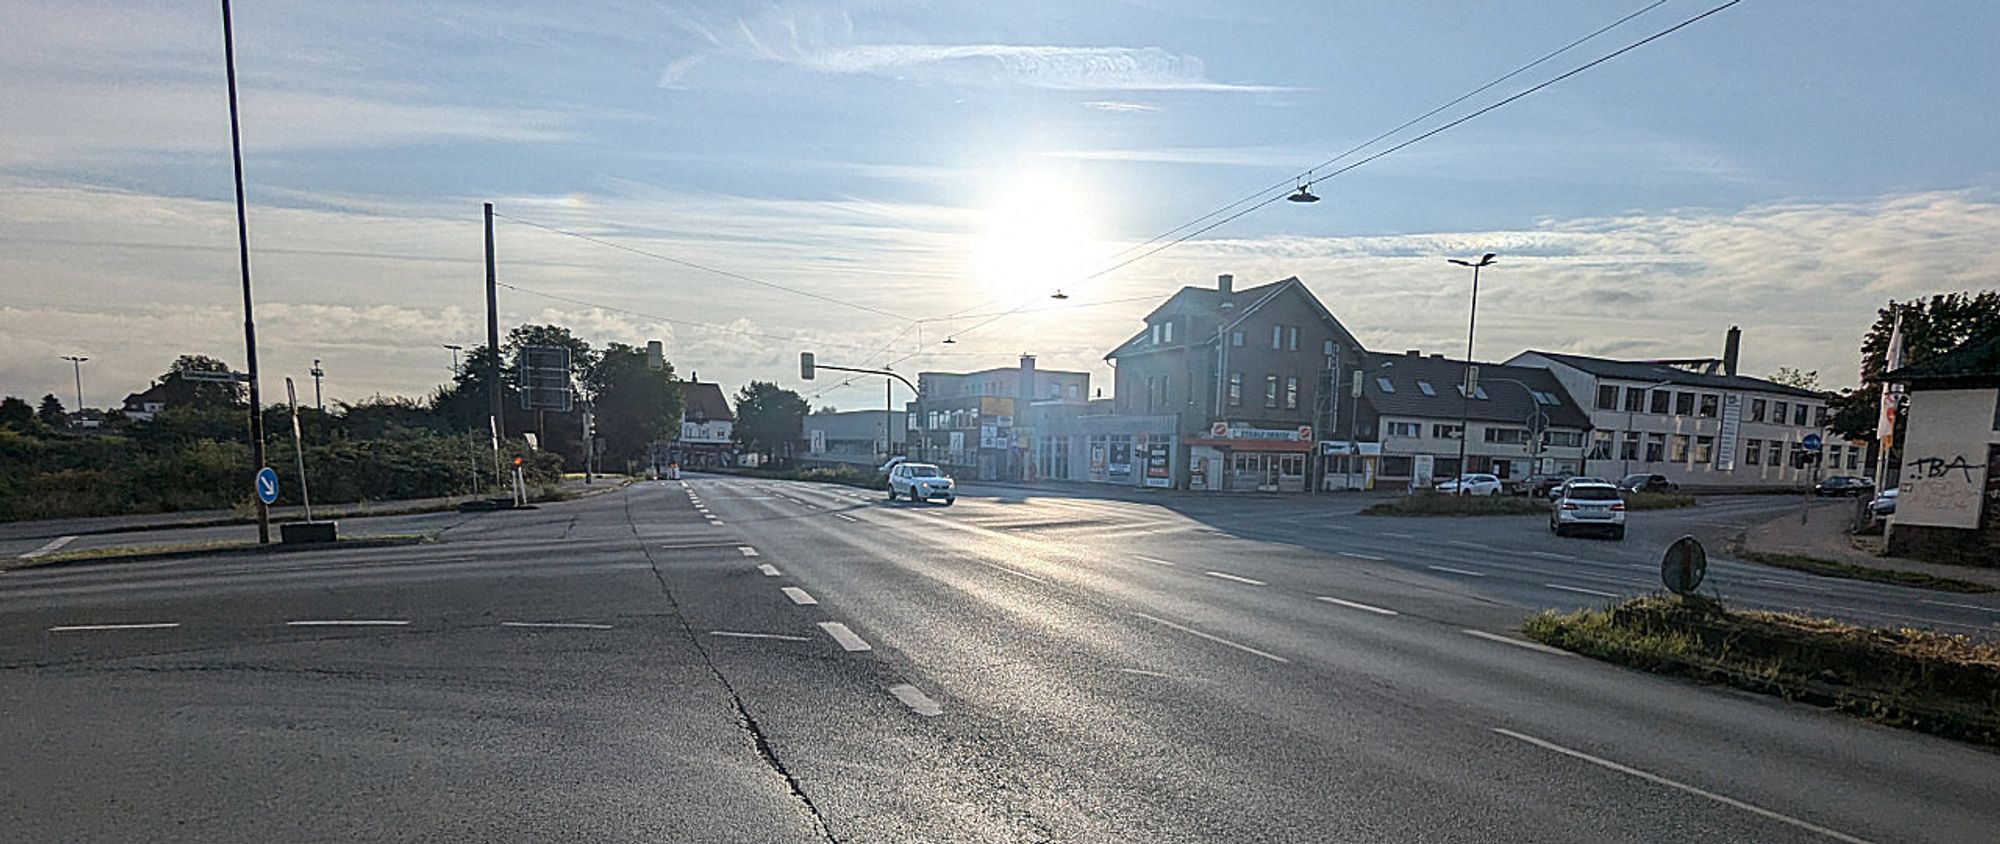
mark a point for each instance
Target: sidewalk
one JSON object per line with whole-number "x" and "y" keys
{"x": 1825, "y": 536}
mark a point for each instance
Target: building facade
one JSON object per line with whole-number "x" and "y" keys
{"x": 708, "y": 427}
{"x": 1948, "y": 504}
{"x": 1696, "y": 422}
{"x": 981, "y": 425}
{"x": 1414, "y": 412}
{"x": 1247, "y": 376}
{"x": 854, "y": 437}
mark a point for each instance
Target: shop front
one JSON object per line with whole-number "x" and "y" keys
{"x": 1242, "y": 458}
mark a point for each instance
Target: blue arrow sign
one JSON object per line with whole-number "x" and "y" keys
{"x": 267, "y": 485}
{"x": 1811, "y": 442}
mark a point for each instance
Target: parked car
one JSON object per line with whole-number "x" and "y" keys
{"x": 1594, "y": 506}
{"x": 1643, "y": 482}
{"x": 1844, "y": 485}
{"x": 1557, "y": 491}
{"x": 921, "y": 482}
{"x": 1539, "y": 485}
{"x": 1474, "y": 484}
{"x": 1880, "y": 508}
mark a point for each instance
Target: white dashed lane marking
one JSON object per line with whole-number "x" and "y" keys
{"x": 846, "y": 638}
{"x": 1581, "y": 590}
{"x": 1356, "y": 605}
{"x": 347, "y": 622}
{"x": 731, "y": 634}
{"x": 1155, "y": 560}
{"x": 556, "y": 625}
{"x": 747, "y": 551}
{"x": 48, "y": 549}
{"x": 79, "y": 628}
{"x": 1213, "y": 638}
{"x": 799, "y": 596}
{"x": 1361, "y": 556}
{"x": 1519, "y": 643}
{"x": 916, "y": 700}
{"x": 1450, "y": 570}
{"x": 768, "y": 570}
{"x": 1238, "y": 578}
{"x": 846, "y": 517}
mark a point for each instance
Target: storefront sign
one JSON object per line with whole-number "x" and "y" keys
{"x": 1159, "y": 465}
{"x": 1336, "y": 449}
{"x": 1727, "y": 433}
{"x": 1121, "y": 460}
{"x": 1226, "y": 431}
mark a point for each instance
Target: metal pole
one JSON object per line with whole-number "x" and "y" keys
{"x": 76, "y": 363}
{"x": 319, "y": 403}
{"x": 1466, "y": 386}
{"x": 888, "y": 418}
{"x": 493, "y": 329}
{"x": 243, "y": 262}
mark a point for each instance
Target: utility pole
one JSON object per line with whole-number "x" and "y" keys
{"x": 76, "y": 363}
{"x": 243, "y": 262}
{"x": 1471, "y": 371}
{"x": 493, "y": 329}
{"x": 318, "y": 402}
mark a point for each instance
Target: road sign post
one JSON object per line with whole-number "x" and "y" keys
{"x": 267, "y": 485}
{"x": 1684, "y": 565}
{"x": 299, "y": 447}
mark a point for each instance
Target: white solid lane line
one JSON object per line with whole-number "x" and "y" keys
{"x": 1012, "y": 571}
{"x": 916, "y": 700}
{"x": 1361, "y": 556}
{"x": 48, "y": 549}
{"x": 1239, "y": 579}
{"x": 731, "y": 634}
{"x": 347, "y": 622}
{"x": 746, "y": 550}
{"x": 1450, "y": 570}
{"x": 1397, "y": 535}
{"x": 768, "y": 569}
{"x": 1581, "y": 589}
{"x": 1681, "y": 786}
{"x": 1154, "y": 560}
{"x": 556, "y": 625}
{"x": 846, "y": 517}
{"x": 1463, "y": 544}
{"x": 1358, "y": 606}
{"x": 1805, "y": 586}
{"x": 1519, "y": 643}
{"x": 1213, "y": 638}
{"x": 848, "y": 641}
{"x": 76, "y": 628}
{"x": 1554, "y": 556}
{"x": 1962, "y": 606}
{"x": 799, "y": 596}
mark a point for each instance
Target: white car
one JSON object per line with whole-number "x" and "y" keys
{"x": 1589, "y": 507}
{"x": 1475, "y": 484}
{"x": 921, "y": 482}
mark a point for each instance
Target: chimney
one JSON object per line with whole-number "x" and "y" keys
{"x": 1027, "y": 387}
{"x": 1415, "y": 353}
{"x": 1730, "y": 349}
{"x": 1225, "y": 283}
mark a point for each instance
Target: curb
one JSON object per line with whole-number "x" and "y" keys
{"x": 225, "y": 551}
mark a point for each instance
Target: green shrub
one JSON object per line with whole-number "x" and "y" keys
{"x": 1439, "y": 504}
{"x": 1656, "y": 500}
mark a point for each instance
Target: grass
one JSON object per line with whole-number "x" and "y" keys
{"x": 213, "y": 546}
{"x": 1920, "y": 680}
{"x": 1656, "y": 500}
{"x": 1437, "y": 504}
{"x": 1832, "y": 568}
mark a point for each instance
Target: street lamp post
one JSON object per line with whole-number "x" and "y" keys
{"x": 455, "y": 349}
{"x": 1465, "y": 389}
{"x": 243, "y": 263}
{"x": 76, "y": 363}
{"x": 319, "y": 404}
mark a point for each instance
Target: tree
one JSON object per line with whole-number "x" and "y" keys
{"x": 17, "y": 415}
{"x": 582, "y": 358}
{"x": 634, "y": 404}
{"x": 768, "y": 417}
{"x": 51, "y": 412}
{"x": 1794, "y": 377}
{"x": 1930, "y": 327}
{"x": 182, "y": 391}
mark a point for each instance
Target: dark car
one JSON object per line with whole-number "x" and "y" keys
{"x": 1643, "y": 482}
{"x": 1844, "y": 485}
{"x": 1539, "y": 485}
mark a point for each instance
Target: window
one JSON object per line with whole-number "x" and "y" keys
{"x": 1383, "y": 382}
{"x": 1777, "y": 415}
{"x": 1150, "y": 393}
{"x": 1704, "y": 449}
{"x": 1326, "y": 348}
{"x": 1235, "y": 338}
{"x": 1711, "y": 404}
{"x": 1292, "y": 338}
{"x": 1775, "y": 453}
{"x": 1170, "y": 331}
{"x": 1659, "y": 402}
{"x": 1270, "y": 391}
{"x": 1756, "y": 413}
{"x": 1563, "y": 439}
{"x": 1656, "y": 447}
{"x": 1629, "y": 449}
{"x": 1819, "y": 416}
{"x": 1478, "y": 392}
{"x": 1507, "y": 436}
{"x": 1425, "y": 388}
{"x": 1445, "y": 432}
{"x": 1395, "y": 467}
{"x": 1854, "y": 459}
{"x": 1753, "y": 452}
{"x": 1679, "y": 450}
{"x": 1799, "y": 415}
{"x": 1550, "y": 399}
{"x": 1402, "y": 429}
{"x": 1277, "y": 336}
{"x": 1600, "y": 445}
{"x": 1291, "y": 392}
{"x": 1635, "y": 399}
{"x": 1833, "y": 456}
{"x": 1235, "y": 389}
{"x": 1607, "y": 397}
{"x": 1683, "y": 404}
{"x": 1156, "y": 334}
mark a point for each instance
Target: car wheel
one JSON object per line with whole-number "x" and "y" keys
{"x": 1558, "y": 529}
{"x": 1618, "y": 534}
{"x": 1552, "y": 524}
{"x": 892, "y": 493}
{"x": 949, "y": 499}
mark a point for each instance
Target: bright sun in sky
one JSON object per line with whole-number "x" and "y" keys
{"x": 1038, "y": 238}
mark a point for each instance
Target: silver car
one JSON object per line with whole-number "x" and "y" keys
{"x": 921, "y": 482}
{"x": 1583, "y": 507}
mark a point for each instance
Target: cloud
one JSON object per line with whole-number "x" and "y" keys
{"x": 1116, "y": 105}
{"x": 1040, "y": 66}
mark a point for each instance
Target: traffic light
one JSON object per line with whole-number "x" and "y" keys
{"x": 806, "y": 365}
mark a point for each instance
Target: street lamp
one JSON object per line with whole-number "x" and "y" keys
{"x": 76, "y": 363}
{"x": 455, "y": 349}
{"x": 1470, "y": 384}
{"x": 318, "y": 373}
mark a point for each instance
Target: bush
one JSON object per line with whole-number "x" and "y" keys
{"x": 1656, "y": 500}
{"x": 1934, "y": 682}
{"x": 1439, "y": 504}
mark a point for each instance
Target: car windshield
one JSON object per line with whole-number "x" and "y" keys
{"x": 1593, "y": 493}
{"x": 923, "y": 471}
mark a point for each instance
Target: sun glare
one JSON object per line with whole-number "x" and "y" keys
{"x": 1038, "y": 238}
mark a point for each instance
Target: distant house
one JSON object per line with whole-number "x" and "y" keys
{"x": 853, "y": 436}
{"x": 143, "y": 406}
{"x": 1949, "y": 504}
{"x": 708, "y": 427}
{"x": 1414, "y": 409}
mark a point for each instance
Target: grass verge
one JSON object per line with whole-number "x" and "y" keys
{"x": 1832, "y": 568}
{"x": 165, "y": 551}
{"x": 1656, "y": 500}
{"x": 1435, "y": 504}
{"x": 1931, "y": 682}
{"x": 843, "y": 475}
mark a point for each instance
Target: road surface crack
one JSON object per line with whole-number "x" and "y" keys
{"x": 744, "y": 720}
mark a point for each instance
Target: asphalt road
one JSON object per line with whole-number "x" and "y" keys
{"x": 738, "y": 660}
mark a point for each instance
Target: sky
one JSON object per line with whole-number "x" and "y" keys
{"x": 873, "y": 177}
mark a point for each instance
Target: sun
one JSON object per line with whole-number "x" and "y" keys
{"x": 1037, "y": 238}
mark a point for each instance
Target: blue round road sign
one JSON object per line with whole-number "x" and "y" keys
{"x": 267, "y": 485}
{"x": 1811, "y": 442}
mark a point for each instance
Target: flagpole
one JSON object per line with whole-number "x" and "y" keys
{"x": 1885, "y": 421}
